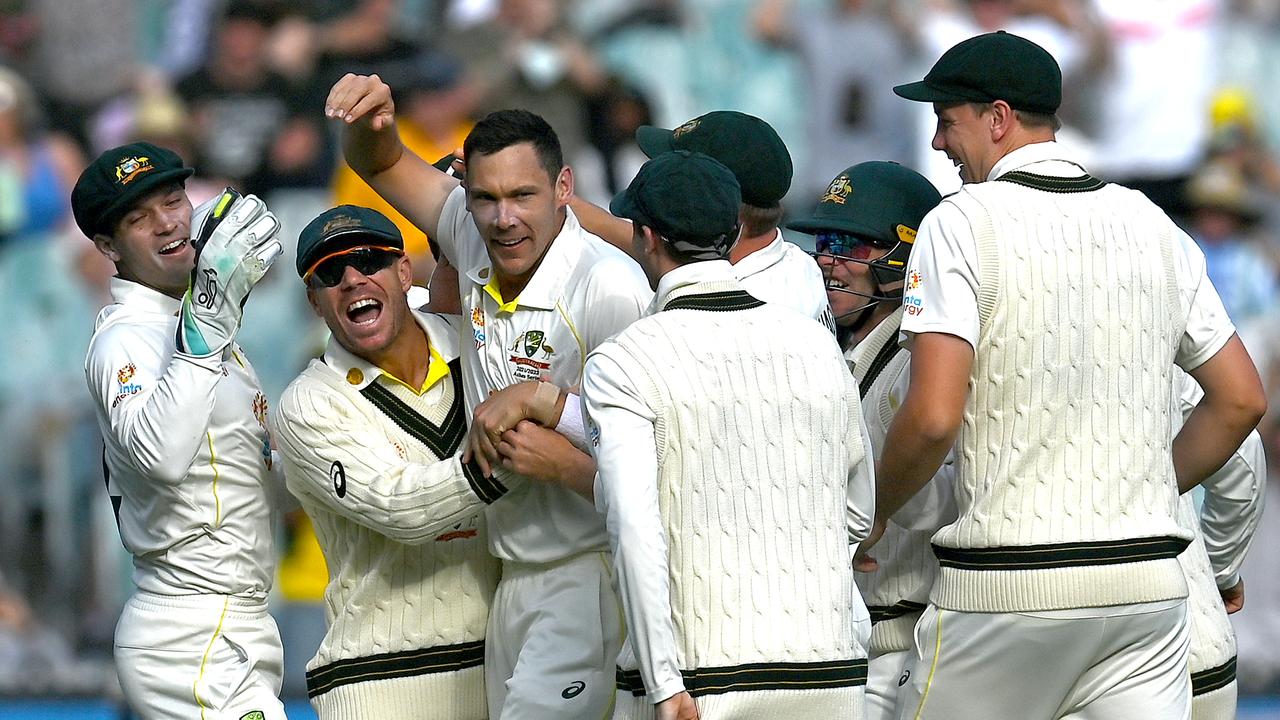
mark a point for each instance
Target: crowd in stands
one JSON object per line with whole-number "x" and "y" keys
{"x": 1178, "y": 98}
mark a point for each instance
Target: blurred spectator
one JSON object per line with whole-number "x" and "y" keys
{"x": 615, "y": 115}
{"x": 1224, "y": 214}
{"x": 85, "y": 53}
{"x": 434, "y": 103}
{"x": 854, "y": 52}
{"x": 37, "y": 168}
{"x": 525, "y": 57}
{"x": 1152, "y": 127}
{"x": 1236, "y": 140}
{"x": 249, "y": 126}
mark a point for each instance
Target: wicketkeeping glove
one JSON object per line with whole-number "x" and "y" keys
{"x": 235, "y": 242}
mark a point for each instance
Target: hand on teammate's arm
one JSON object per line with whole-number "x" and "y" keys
{"x": 545, "y": 455}
{"x": 531, "y": 400}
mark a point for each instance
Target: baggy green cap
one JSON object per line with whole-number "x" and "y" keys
{"x": 688, "y": 198}
{"x": 343, "y": 228}
{"x": 745, "y": 144}
{"x": 990, "y": 67}
{"x": 117, "y": 179}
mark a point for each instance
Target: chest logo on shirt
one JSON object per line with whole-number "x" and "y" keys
{"x": 338, "y": 476}
{"x": 125, "y": 387}
{"x": 477, "y": 326}
{"x": 528, "y": 347}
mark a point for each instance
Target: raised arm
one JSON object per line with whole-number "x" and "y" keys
{"x": 371, "y": 146}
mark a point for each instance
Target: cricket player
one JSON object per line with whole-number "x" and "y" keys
{"x": 865, "y": 224}
{"x": 1045, "y": 312}
{"x": 1223, "y": 530}
{"x": 538, "y": 293}
{"x": 734, "y": 481}
{"x": 769, "y": 267}
{"x": 370, "y": 435}
{"x": 187, "y": 453}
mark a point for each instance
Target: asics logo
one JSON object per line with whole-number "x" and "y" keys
{"x": 574, "y": 690}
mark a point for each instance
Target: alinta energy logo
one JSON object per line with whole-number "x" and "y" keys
{"x": 125, "y": 387}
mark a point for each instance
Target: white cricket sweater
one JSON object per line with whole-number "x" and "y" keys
{"x": 376, "y": 466}
{"x": 1065, "y": 486}
{"x": 737, "y": 573}
{"x": 897, "y": 591}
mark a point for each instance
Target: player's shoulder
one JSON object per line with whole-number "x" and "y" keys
{"x": 121, "y": 332}
{"x": 604, "y": 268}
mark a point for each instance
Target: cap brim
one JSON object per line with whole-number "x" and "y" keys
{"x": 624, "y": 205}
{"x": 815, "y": 225}
{"x": 138, "y": 190}
{"x": 654, "y": 140}
{"x": 920, "y": 92}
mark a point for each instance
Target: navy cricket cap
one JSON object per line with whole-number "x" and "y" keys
{"x": 990, "y": 67}
{"x": 118, "y": 179}
{"x": 747, "y": 145}
{"x": 343, "y": 228}
{"x": 688, "y": 198}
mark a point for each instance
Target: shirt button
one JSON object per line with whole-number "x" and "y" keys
{"x": 354, "y": 376}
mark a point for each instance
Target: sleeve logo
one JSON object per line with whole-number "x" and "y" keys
{"x": 338, "y": 476}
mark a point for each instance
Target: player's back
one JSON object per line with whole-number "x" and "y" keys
{"x": 756, "y": 432}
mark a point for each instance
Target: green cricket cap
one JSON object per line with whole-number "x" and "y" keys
{"x": 688, "y": 198}
{"x": 878, "y": 200}
{"x": 747, "y": 145}
{"x": 990, "y": 67}
{"x": 117, "y": 180}
{"x": 343, "y": 228}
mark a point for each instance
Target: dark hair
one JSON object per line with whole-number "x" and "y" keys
{"x": 757, "y": 221}
{"x": 501, "y": 129}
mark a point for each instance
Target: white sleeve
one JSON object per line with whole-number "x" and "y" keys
{"x": 622, "y": 431}
{"x": 335, "y": 457}
{"x": 619, "y": 294}
{"x": 1208, "y": 327}
{"x": 941, "y": 290}
{"x": 1232, "y": 509}
{"x": 451, "y": 230}
{"x": 157, "y": 402}
{"x": 860, "y": 490}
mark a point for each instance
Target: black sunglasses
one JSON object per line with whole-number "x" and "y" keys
{"x": 328, "y": 271}
{"x": 839, "y": 243}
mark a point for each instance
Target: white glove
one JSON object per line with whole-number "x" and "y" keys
{"x": 235, "y": 242}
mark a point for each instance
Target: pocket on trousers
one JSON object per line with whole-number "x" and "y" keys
{"x": 224, "y": 672}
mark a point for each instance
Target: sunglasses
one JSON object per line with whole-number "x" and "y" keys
{"x": 855, "y": 246}
{"x": 328, "y": 270}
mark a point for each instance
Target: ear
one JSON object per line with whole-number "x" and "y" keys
{"x": 404, "y": 270}
{"x": 106, "y": 246}
{"x": 1002, "y": 120}
{"x": 564, "y": 186}
{"x": 652, "y": 242}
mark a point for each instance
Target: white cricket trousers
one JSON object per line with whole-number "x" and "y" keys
{"x": 1123, "y": 662}
{"x": 886, "y": 674}
{"x": 206, "y": 657}
{"x": 555, "y": 631}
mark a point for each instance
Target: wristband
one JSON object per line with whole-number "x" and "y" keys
{"x": 542, "y": 407}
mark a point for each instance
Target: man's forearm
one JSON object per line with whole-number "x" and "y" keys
{"x": 370, "y": 151}
{"x": 911, "y": 457}
{"x": 1207, "y": 440}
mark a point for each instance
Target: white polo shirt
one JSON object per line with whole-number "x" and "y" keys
{"x": 187, "y": 452}
{"x": 783, "y": 274}
{"x": 583, "y": 292}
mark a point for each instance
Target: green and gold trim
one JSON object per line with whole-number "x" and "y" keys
{"x": 759, "y": 676}
{"x": 1061, "y": 555}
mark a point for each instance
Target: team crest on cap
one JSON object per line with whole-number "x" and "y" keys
{"x": 128, "y": 169}
{"x": 685, "y": 128}
{"x": 838, "y": 191}
{"x": 339, "y": 223}
{"x": 906, "y": 234}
